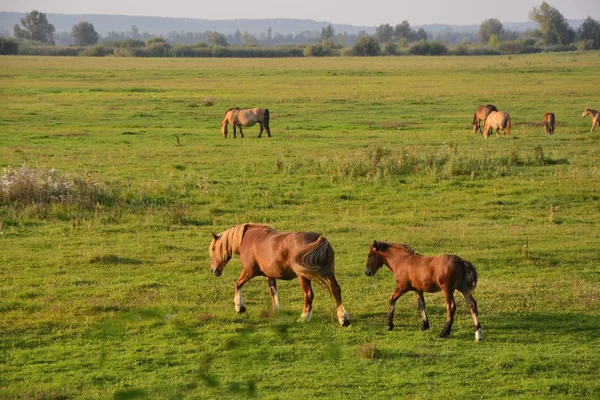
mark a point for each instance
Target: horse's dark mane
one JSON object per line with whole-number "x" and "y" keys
{"x": 232, "y": 108}
{"x": 404, "y": 247}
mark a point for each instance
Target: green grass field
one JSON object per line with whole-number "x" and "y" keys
{"x": 114, "y": 298}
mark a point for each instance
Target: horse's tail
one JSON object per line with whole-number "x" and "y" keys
{"x": 312, "y": 260}
{"x": 470, "y": 277}
{"x": 507, "y": 123}
{"x": 266, "y": 119}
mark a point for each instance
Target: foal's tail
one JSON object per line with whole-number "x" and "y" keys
{"x": 311, "y": 261}
{"x": 470, "y": 277}
{"x": 507, "y": 124}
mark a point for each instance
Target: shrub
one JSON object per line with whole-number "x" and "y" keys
{"x": 366, "y": 46}
{"x": 25, "y": 186}
{"x": 96, "y": 51}
{"x": 428, "y": 48}
{"x": 8, "y": 46}
{"x": 318, "y": 50}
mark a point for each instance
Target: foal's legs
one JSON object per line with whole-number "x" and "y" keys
{"x": 241, "y": 133}
{"x": 261, "y": 129}
{"x": 393, "y": 298}
{"x": 421, "y": 300}
{"x": 450, "y": 310}
{"x": 474, "y": 314}
{"x": 336, "y": 291}
{"x": 245, "y": 276}
{"x": 273, "y": 292}
{"x": 308, "y": 299}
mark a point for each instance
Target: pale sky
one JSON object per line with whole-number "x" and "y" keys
{"x": 354, "y": 12}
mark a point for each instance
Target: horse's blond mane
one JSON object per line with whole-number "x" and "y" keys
{"x": 228, "y": 242}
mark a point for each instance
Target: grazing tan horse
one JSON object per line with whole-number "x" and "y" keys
{"x": 498, "y": 121}
{"x": 414, "y": 272}
{"x": 246, "y": 117}
{"x": 549, "y": 123}
{"x": 278, "y": 255}
{"x": 480, "y": 116}
{"x": 595, "y": 117}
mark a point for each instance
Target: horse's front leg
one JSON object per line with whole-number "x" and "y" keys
{"x": 245, "y": 276}
{"x": 308, "y": 299}
{"x": 450, "y": 310}
{"x": 392, "y": 305}
{"x": 234, "y": 130}
{"x": 273, "y": 292}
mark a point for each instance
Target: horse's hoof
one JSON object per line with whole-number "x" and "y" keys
{"x": 390, "y": 327}
{"x": 444, "y": 334}
{"x": 346, "y": 322}
{"x": 425, "y": 326}
{"x": 241, "y": 310}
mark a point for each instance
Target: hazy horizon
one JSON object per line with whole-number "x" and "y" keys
{"x": 360, "y": 13}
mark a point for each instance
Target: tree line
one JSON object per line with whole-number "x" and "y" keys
{"x": 553, "y": 33}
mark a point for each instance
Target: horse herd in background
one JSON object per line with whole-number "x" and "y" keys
{"x": 308, "y": 256}
{"x": 499, "y": 121}
{"x": 486, "y": 119}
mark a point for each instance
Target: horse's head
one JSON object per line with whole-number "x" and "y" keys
{"x": 218, "y": 260}
{"x": 475, "y": 123}
{"x": 375, "y": 260}
{"x": 586, "y": 112}
{"x": 224, "y": 129}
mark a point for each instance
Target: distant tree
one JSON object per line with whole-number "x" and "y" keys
{"x": 135, "y": 33}
{"x": 36, "y": 28}
{"x": 217, "y": 39}
{"x": 589, "y": 33}
{"x": 553, "y": 28}
{"x": 403, "y": 31}
{"x": 420, "y": 35}
{"x": 488, "y": 28}
{"x": 494, "y": 40}
{"x": 366, "y": 46}
{"x": 157, "y": 47}
{"x": 384, "y": 33}
{"x": 327, "y": 33}
{"x": 84, "y": 34}
{"x": 248, "y": 40}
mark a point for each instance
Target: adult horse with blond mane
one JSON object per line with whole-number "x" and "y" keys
{"x": 414, "y": 272}
{"x": 276, "y": 255}
{"x": 480, "y": 116}
{"x": 595, "y": 114}
{"x": 498, "y": 121}
{"x": 245, "y": 117}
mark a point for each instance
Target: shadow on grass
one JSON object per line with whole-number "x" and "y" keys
{"x": 556, "y": 323}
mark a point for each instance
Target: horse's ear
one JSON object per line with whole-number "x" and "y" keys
{"x": 215, "y": 237}
{"x": 375, "y": 244}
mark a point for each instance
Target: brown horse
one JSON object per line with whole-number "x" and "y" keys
{"x": 498, "y": 121}
{"x": 245, "y": 117}
{"x": 480, "y": 116}
{"x": 595, "y": 117}
{"x": 278, "y": 255}
{"x": 414, "y": 272}
{"x": 549, "y": 122}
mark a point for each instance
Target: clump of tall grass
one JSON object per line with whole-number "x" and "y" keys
{"x": 27, "y": 186}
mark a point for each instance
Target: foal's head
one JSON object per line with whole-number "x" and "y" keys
{"x": 586, "y": 112}
{"x": 375, "y": 260}
{"x": 224, "y": 128}
{"x": 475, "y": 123}
{"x": 218, "y": 257}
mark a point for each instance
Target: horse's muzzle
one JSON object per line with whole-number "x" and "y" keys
{"x": 216, "y": 271}
{"x": 369, "y": 272}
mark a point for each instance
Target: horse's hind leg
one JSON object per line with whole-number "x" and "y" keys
{"x": 421, "y": 299}
{"x": 308, "y": 299}
{"x": 241, "y": 133}
{"x": 261, "y": 129}
{"x": 336, "y": 291}
{"x": 273, "y": 292}
{"x": 474, "y": 314}
{"x": 450, "y": 310}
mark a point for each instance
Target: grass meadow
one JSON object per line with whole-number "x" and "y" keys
{"x": 106, "y": 293}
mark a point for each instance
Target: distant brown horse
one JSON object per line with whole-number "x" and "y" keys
{"x": 549, "y": 122}
{"x": 246, "y": 117}
{"x": 277, "y": 255}
{"x": 414, "y": 272}
{"x": 498, "y": 121}
{"x": 595, "y": 117}
{"x": 480, "y": 116}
